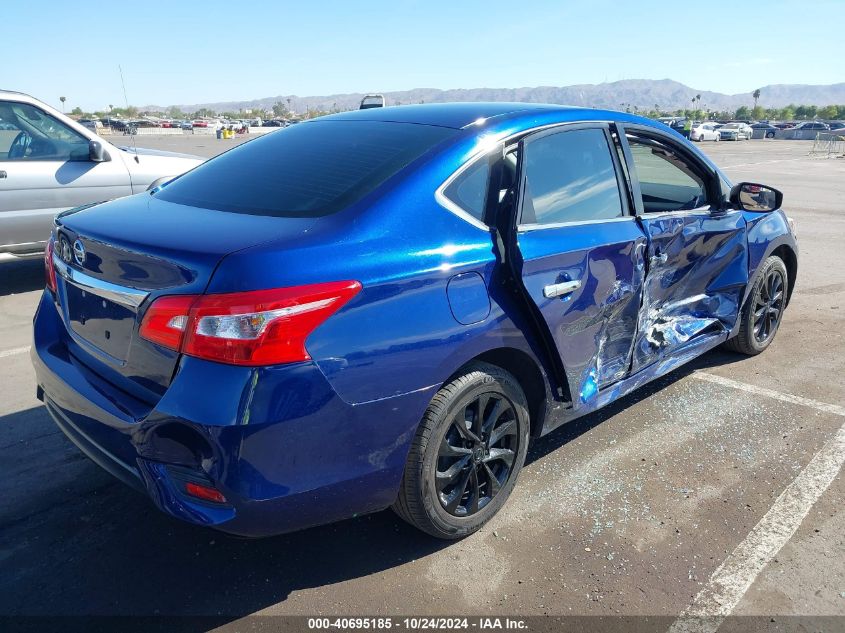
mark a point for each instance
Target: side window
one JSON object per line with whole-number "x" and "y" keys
{"x": 469, "y": 190}
{"x": 668, "y": 182}
{"x": 570, "y": 177}
{"x": 29, "y": 134}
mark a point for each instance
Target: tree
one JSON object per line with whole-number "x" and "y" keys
{"x": 279, "y": 108}
{"x": 63, "y": 99}
{"x": 756, "y": 95}
{"x": 787, "y": 114}
{"x": 77, "y": 110}
{"x": 742, "y": 112}
{"x": 759, "y": 112}
{"x": 828, "y": 112}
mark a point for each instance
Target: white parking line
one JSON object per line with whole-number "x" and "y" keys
{"x": 769, "y": 393}
{"x": 14, "y": 351}
{"x": 731, "y": 580}
{"x": 762, "y": 162}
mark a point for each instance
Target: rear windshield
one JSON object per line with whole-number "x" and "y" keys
{"x": 305, "y": 170}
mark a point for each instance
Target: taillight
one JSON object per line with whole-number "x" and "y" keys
{"x": 262, "y": 327}
{"x": 49, "y": 267}
{"x": 166, "y": 319}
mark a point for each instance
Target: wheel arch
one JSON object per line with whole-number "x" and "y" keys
{"x": 790, "y": 259}
{"x": 528, "y": 374}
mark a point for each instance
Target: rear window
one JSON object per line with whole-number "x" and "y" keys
{"x": 305, "y": 170}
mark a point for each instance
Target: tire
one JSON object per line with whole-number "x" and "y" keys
{"x": 770, "y": 135}
{"x": 438, "y": 505}
{"x": 749, "y": 340}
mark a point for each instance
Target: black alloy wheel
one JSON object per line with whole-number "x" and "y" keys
{"x": 467, "y": 453}
{"x": 768, "y": 305}
{"x": 763, "y": 310}
{"x": 476, "y": 454}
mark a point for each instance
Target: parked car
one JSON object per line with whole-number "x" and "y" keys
{"x": 813, "y": 125}
{"x": 187, "y": 125}
{"x": 767, "y": 129}
{"x": 146, "y": 123}
{"x": 49, "y": 163}
{"x": 447, "y": 314}
{"x": 274, "y": 123}
{"x": 372, "y": 101}
{"x": 92, "y": 124}
{"x": 704, "y": 132}
{"x": 735, "y": 132}
{"x": 118, "y": 125}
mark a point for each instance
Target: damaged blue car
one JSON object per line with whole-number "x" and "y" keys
{"x": 380, "y": 308}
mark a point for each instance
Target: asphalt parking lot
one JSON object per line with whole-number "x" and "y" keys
{"x": 682, "y": 498}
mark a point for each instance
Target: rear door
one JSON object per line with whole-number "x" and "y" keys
{"x": 696, "y": 259}
{"x": 45, "y": 169}
{"x": 581, "y": 252}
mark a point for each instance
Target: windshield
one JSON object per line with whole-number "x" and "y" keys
{"x": 307, "y": 170}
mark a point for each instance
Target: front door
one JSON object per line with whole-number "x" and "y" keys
{"x": 696, "y": 260}
{"x": 582, "y": 253}
{"x": 44, "y": 169}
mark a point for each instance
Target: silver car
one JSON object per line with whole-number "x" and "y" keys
{"x": 49, "y": 163}
{"x": 736, "y": 132}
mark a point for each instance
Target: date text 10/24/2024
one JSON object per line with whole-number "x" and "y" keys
{"x": 417, "y": 623}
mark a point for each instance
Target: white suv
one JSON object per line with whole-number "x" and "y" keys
{"x": 49, "y": 163}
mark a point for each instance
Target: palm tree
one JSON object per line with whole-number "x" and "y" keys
{"x": 756, "y": 95}
{"x": 63, "y": 99}
{"x": 111, "y": 107}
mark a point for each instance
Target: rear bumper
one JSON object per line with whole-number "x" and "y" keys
{"x": 96, "y": 453}
{"x": 283, "y": 448}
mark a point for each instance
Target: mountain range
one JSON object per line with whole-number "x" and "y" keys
{"x": 642, "y": 93}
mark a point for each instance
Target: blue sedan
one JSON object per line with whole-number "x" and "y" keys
{"x": 381, "y": 308}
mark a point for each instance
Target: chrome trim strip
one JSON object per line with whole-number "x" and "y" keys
{"x": 443, "y": 201}
{"x": 128, "y": 297}
{"x": 524, "y": 228}
{"x": 699, "y": 211}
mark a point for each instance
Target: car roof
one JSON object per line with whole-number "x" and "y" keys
{"x": 12, "y": 94}
{"x": 453, "y": 115}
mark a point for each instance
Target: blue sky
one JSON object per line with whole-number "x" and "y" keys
{"x": 191, "y": 52}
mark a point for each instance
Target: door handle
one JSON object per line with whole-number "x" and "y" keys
{"x": 2, "y": 174}
{"x": 563, "y": 288}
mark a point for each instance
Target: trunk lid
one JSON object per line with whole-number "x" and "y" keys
{"x": 114, "y": 259}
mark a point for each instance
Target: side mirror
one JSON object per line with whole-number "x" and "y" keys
{"x": 97, "y": 153}
{"x": 749, "y": 196}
